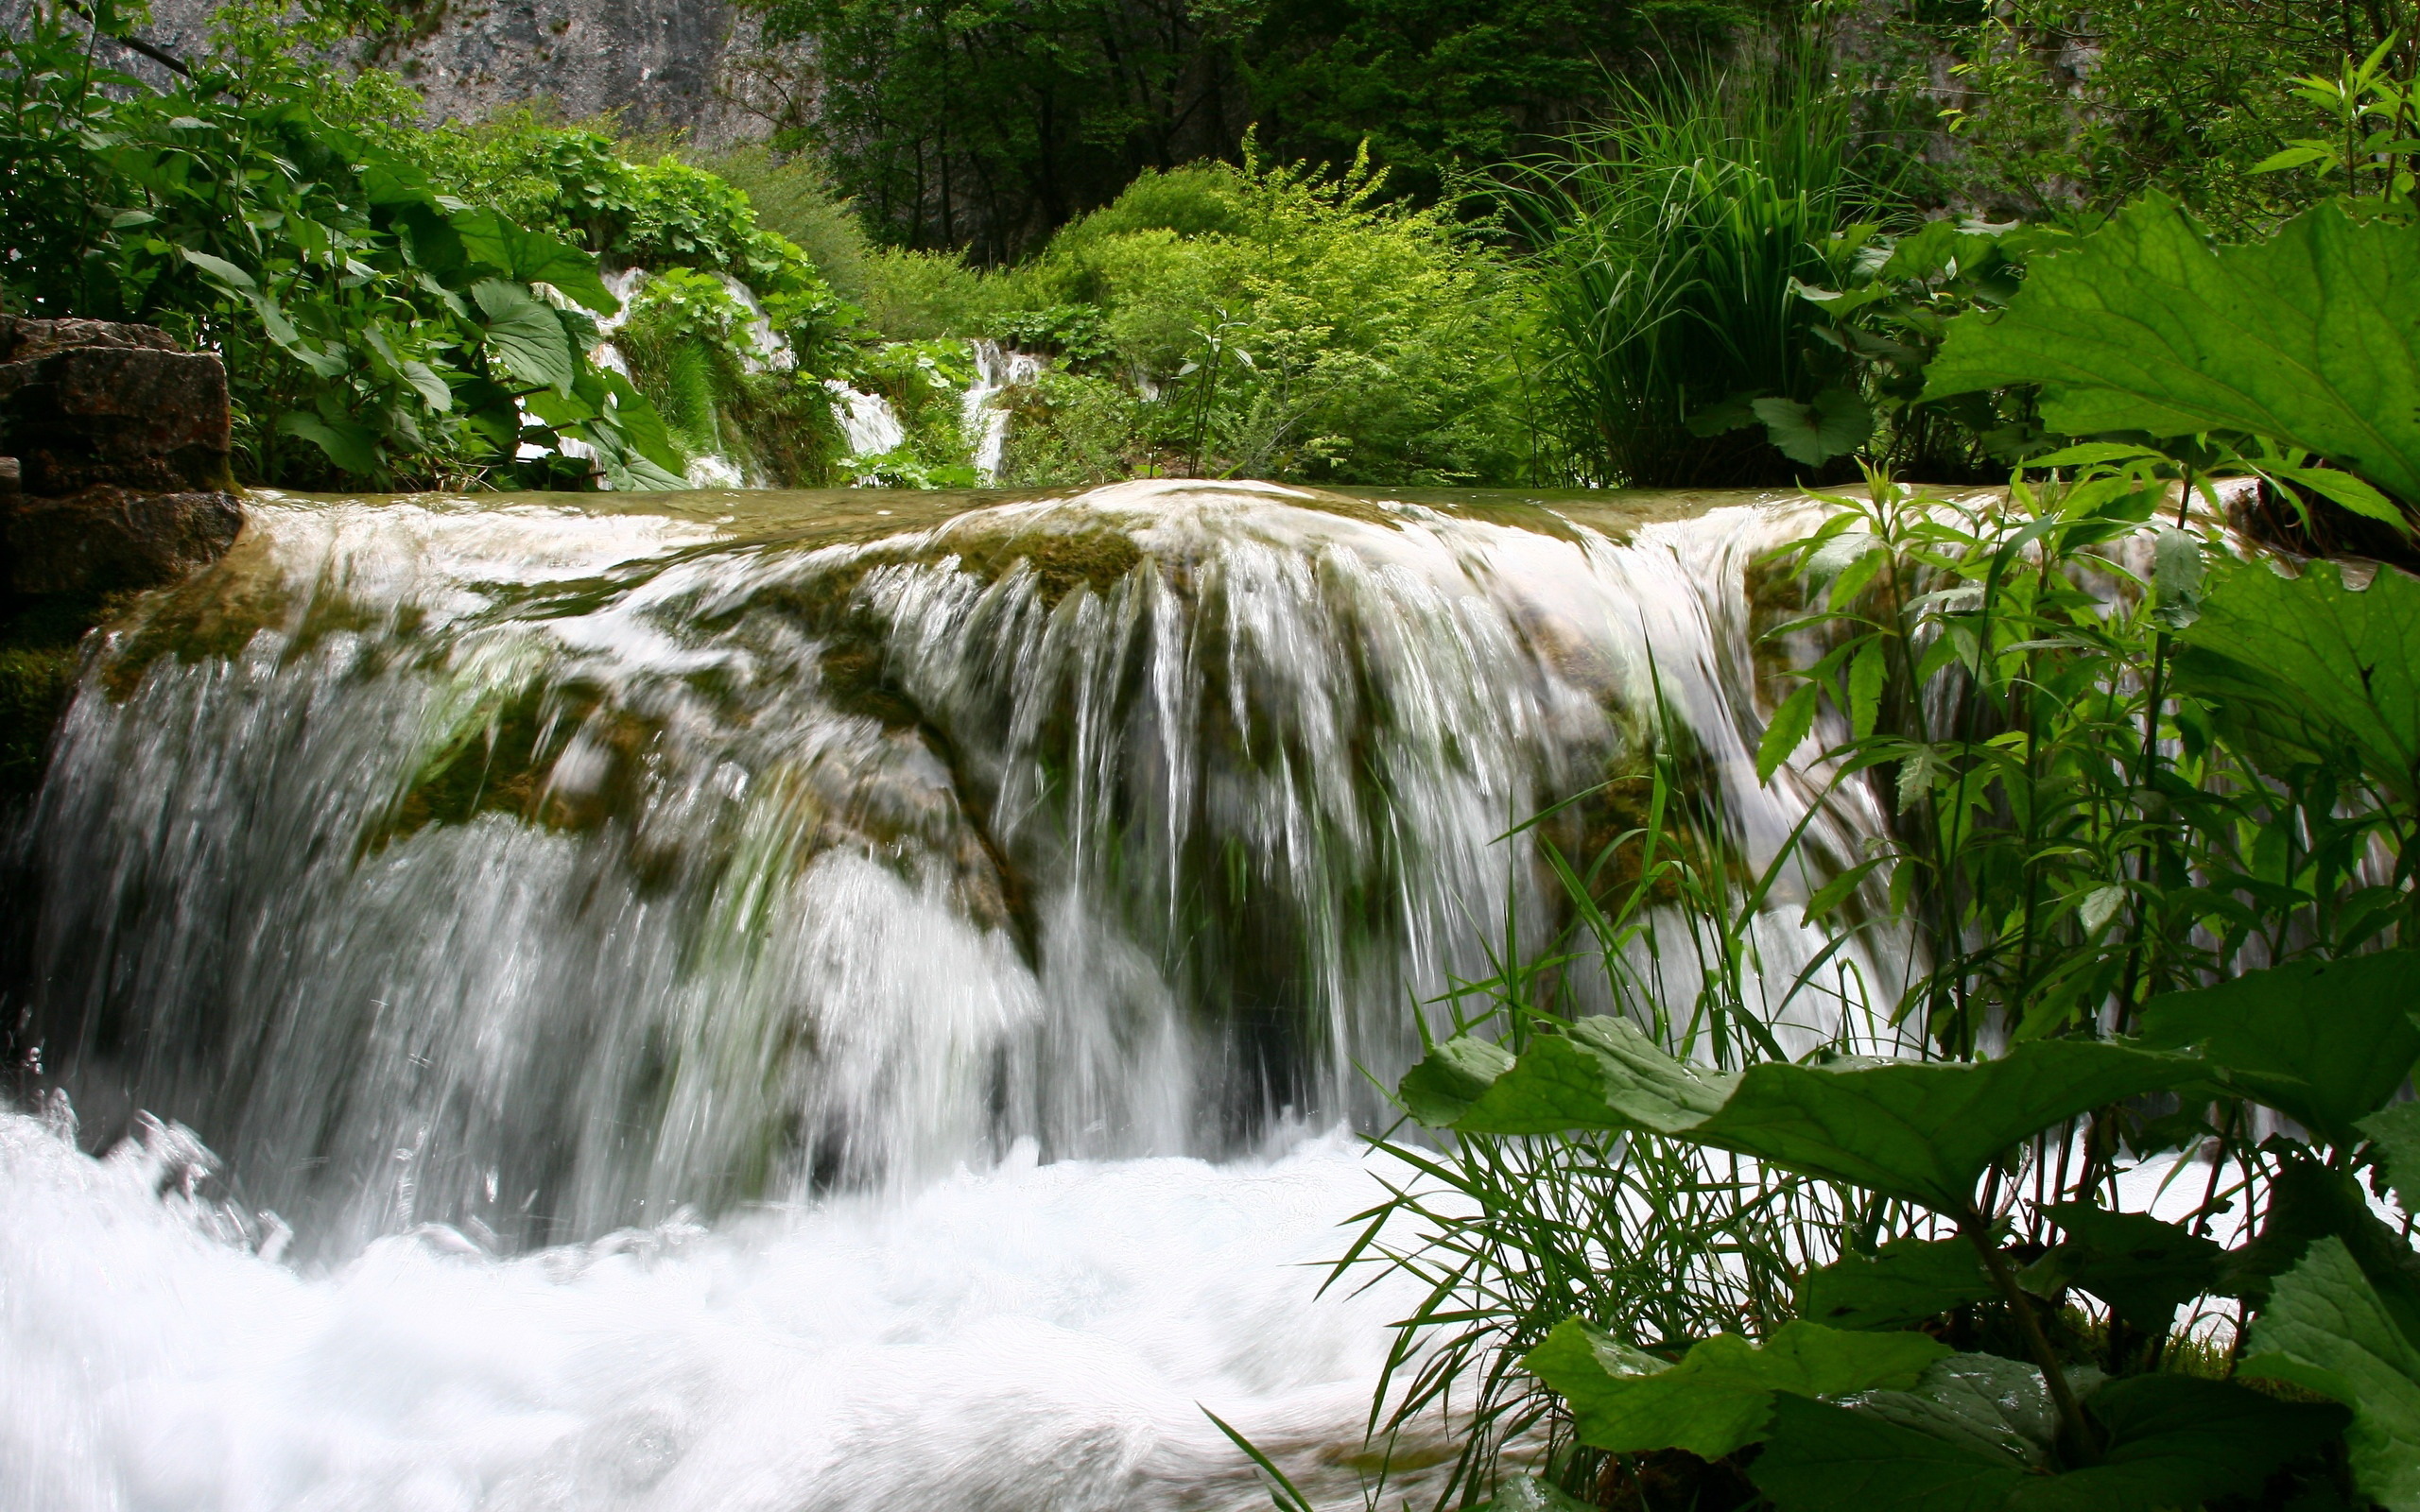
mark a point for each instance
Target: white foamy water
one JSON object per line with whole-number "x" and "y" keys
{"x": 955, "y": 914}
{"x": 1040, "y": 1337}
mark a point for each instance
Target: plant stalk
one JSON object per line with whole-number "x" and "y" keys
{"x": 2072, "y": 1419}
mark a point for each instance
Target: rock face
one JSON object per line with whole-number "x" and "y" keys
{"x": 696, "y": 66}
{"x": 117, "y": 441}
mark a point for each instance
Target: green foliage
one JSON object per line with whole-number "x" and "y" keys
{"x": 2168, "y": 1441}
{"x": 1920, "y": 1132}
{"x": 793, "y": 198}
{"x": 2311, "y": 676}
{"x": 1719, "y": 1396}
{"x": 724, "y": 391}
{"x": 2325, "y": 1072}
{"x": 1888, "y": 319}
{"x": 1294, "y": 326}
{"x": 397, "y": 336}
{"x": 1670, "y": 241}
{"x": 2145, "y": 327}
{"x": 2328, "y": 1328}
{"x": 2072, "y": 112}
{"x": 990, "y": 125}
{"x": 1904, "y": 1282}
{"x": 2121, "y": 767}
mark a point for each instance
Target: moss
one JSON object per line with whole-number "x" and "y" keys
{"x": 35, "y": 689}
{"x": 40, "y": 657}
{"x": 1061, "y": 560}
{"x": 502, "y": 761}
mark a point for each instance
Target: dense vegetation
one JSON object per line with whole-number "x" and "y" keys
{"x": 2150, "y": 761}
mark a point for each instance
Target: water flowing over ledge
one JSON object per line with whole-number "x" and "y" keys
{"x": 920, "y": 898}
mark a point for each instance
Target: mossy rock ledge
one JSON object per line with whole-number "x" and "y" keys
{"x": 113, "y": 478}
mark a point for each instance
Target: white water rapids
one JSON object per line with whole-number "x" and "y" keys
{"x": 756, "y": 1002}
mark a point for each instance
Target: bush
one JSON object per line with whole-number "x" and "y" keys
{"x": 1072, "y": 430}
{"x": 1293, "y": 326}
{"x": 1670, "y": 241}
{"x": 793, "y": 199}
{"x": 691, "y": 343}
{"x": 373, "y": 332}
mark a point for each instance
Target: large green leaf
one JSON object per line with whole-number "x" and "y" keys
{"x": 1919, "y": 1130}
{"x": 1720, "y": 1394}
{"x": 2170, "y": 1442}
{"x": 1982, "y": 1401}
{"x": 2327, "y": 1329}
{"x": 2141, "y": 1266}
{"x": 350, "y": 446}
{"x": 2306, "y": 667}
{"x": 524, "y": 337}
{"x": 2178, "y": 1441}
{"x": 2311, "y": 337}
{"x": 528, "y": 256}
{"x": 2324, "y": 1042}
{"x": 1904, "y": 1282}
{"x": 2397, "y": 1132}
{"x": 1819, "y": 1457}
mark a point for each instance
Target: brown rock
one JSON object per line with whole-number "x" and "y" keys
{"x": 107, "y": 538}
{"x": 86, "y": 402}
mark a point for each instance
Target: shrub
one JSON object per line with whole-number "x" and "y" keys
{"x": 1670, "y": 241}
{"x": 1297, "y": 326}
{"x": 373, "y": 330}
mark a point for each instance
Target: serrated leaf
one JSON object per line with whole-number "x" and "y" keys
{"x": 523, "y": 337}
{"x": 2309, "y": 669}
{"x": 2326, "y": 1329}
{"x": 1791, "y": 723}
{"x": 1868, "y": 670}
{"x": 1720, "y": 1394}
{"x": 1923, "y": 1131}
{"x": 2178, "y": 1441}
{"x": 2310, "y": 337}
{"x": 2324, "y": 1042}
{"x": 2397, "y": 1132}
{"x": 527, "y": 256}
{"x": 2099, "y": 906}
{"x": 1819, "y": 1457}
{"x": 2139, "y": 1265}
{"x": 1904, "y": 1282}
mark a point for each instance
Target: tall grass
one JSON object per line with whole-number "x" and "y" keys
{"x": 1658, "y": 1240}
{"x": 2071, "y": 832}
{"x": 1667, "y": 239}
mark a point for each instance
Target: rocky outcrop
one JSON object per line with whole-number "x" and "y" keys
{"x": 120, "y": 441}
{"x": 113, "y": 477}
{"x": 699, "y": 67}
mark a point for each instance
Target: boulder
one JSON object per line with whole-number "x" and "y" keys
{"x": 106, "y": 538}
{"x": 87, "y": 402}
{"x": 115, "y": 475}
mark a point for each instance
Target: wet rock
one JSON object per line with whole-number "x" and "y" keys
{"x": 87, "y": 402}
{"x": 113, "y": 477}
{"x": 119, "y": 439}
{"x": 107, "y": 539}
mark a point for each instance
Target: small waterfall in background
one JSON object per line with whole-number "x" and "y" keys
{"x": 868, "y": 422}
{"x": 788, "y": 1014}
{"x": 984, "y": 421}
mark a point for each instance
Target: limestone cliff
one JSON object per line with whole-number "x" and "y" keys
{"x": 695, "y": 65}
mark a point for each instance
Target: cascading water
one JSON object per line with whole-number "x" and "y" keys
{"x": 985, "y": 422}
{"x": 904, "y": 965}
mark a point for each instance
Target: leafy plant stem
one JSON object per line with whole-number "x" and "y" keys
{"x": 2071, "y": 1421}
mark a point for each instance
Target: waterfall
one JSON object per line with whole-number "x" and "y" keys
{"x": 870, "y": 424}
{"x": 985, "y": 422}
{"x": 818, "y": 1006}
